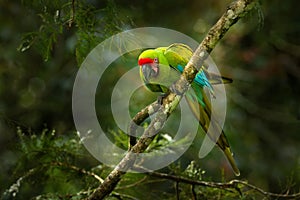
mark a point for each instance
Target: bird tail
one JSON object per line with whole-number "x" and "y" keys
{"x": 222, "y": 142}
{"x": 201, "y": 109}
{"x": 230, "y": 159}
{"x": 216, "y": 79}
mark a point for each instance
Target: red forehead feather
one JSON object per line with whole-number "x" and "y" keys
{"x": 143, "y": 61}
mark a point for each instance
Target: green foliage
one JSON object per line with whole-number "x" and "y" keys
{"x": 119, "y": 138}
{"x": 54, "y": 17}
{"x": 194, "y": 171}
{"x": 51, "y": 164}
{"x": 160, "y": 141}
{"x": 94, "y": 25}
{"x": 60, "y": 18}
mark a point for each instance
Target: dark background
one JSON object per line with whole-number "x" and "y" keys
{"x": 261, "y": 53}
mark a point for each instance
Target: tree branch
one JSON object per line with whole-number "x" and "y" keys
{"x": 114, "y": 177}
{"x": 233, "y": 13}
{"x": 233, "y": 184}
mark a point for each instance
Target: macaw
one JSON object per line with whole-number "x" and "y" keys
{"x": 161, "y": 67}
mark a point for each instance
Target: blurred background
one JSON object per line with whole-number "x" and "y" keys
{"x": 42, "y": 44}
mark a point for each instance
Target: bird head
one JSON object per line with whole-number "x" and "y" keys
{"x": 151, "y": 63}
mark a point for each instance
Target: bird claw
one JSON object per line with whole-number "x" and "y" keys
{"x": 161, "y": 97}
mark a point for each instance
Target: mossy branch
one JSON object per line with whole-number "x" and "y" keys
{"x": 234, "y": 12}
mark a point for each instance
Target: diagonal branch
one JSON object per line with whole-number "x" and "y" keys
{"x": 234, "y": 12}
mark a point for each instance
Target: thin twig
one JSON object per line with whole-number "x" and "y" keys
{"x": 140, "y": 118}
{"x": 133, "y": 184}
{"x": 177, "y": 189}
{"x": 265, "y": 193}
{"x": 233, "y": 184}
{"x": 126, "y": 196}
{"x": 72, "y": 17}
{"x": 75, "y": 168}
{"x": 14, "y": 188}
{"x": 194, "y": 195}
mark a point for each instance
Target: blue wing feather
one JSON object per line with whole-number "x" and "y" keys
{"x": 200, "y": 78}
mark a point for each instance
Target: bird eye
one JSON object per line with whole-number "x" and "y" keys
{"x": 156, "y": 60}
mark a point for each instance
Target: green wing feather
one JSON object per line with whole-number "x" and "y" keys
{"x": 215, "y": 79}
{"x": 178, "y": 54}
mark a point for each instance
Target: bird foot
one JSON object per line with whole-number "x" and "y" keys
{"x": 161, "y": 97}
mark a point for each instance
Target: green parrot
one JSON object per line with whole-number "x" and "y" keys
{"x": 161, "y": 67}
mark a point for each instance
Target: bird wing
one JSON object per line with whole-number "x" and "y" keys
{"x": 178, "y": 55}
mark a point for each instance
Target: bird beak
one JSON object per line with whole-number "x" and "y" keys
{"x": 149, "y": 70}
